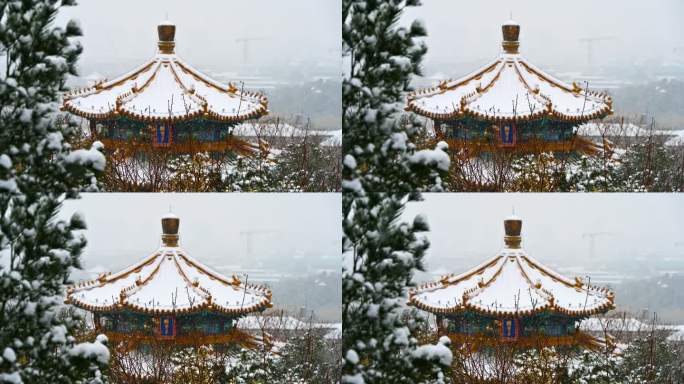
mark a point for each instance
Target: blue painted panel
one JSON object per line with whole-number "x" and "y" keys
{"x": 166, "y": 327}
{"x": 509, "y": 328}
{"x": 508, "y": 134}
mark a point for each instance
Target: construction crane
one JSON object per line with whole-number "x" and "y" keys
{"x": 249, "y": 237}
{"x": 245, "y": 41}
{"x": 592, "y": 241}
{"x": 590, "y": 41}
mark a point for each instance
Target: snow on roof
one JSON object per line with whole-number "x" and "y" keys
{"x": 511, "y": 283}
{"x": 169, "y": 281}
{"x": 169, "y": 215}
{"x": 510, "y": 22}
{"x": 509, "y": 89}
{"x": 165, "y": 88}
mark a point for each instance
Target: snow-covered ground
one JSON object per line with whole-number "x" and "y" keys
{"x": 288, "y": 323}
{"x": 631, "y": 325}
{"x": 284, "y": 130}
{"x": 676, "y": 137}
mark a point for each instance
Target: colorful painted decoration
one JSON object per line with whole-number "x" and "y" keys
{"x": 164, "y": 135}
{"x": 168, "y": 89}
{"x": 167, "y": 327}
{"x": 509, "y": 328}
{"x": 495, "y": 299}
{"x": 153, "y": 310}
{"x": 509, "y": 88}
{"x": 515, "y": 96}
{"x": 170, "y": 96}
{"x": 508, "y": 135}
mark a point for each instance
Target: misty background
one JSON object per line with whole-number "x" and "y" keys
{"x": 635, "y": 48}
{"x": 288, "y": 50}
{"x": 290, "y": 242}
{"x": 633, "y": 243}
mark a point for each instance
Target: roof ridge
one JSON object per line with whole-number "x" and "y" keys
{"x": 201, "y": 101}
{"x": 445, "y": 280}
{"x": 134, "y": 92}
{"x": 108, "y": 85}
{"x": 536, "y": 93}
{"x": 127, "y": 271}
{"x": 205, "y": 270}
{"x": 194, "y": 285}
{"x": 139, "y": 282}
{"x": 548, "y": 271}
{"x": 533, "y": 284}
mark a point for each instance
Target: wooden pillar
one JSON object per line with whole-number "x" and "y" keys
{"x": 93, "y": 128}
{"x": 440, "y": 325}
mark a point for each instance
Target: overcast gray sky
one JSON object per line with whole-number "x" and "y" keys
{"x": 298, "y": 228}
{"x": 555, "y": 226}
{"x": 125, "y": 30}
{"x": 550, "y": 31}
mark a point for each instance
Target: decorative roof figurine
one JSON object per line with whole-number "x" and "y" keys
{"x": 169, "y": 295}
{"x": 166, "y": 102}
{"x": 510, "y": 103}
{"x": 512, "y": 297}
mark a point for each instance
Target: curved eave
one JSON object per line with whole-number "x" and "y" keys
{"x": 549, "y": 113}
{"x": 476, "y": 341}
{"x": 261, "y": 292}
{"x": 207, "y": 114}
{"x": 549, "y": 308}
{"x": 459, "y": 108}
{"x": 206, "y": 111}
{"x": 208, "y": 306}
{"x": 462, "y": 304}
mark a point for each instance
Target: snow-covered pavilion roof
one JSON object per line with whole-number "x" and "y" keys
{"x": 169, "y": 281}
{"x": 165, "y": 88}
{"x": 509, "y": 89}
{"x": 512, "y": 283}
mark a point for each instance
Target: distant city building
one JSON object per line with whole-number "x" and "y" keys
{"x": 512, "y": 298}
{"x": 167, "y": 103}
{"x": 509, "y": 104}
{"x": 170, "y": 297}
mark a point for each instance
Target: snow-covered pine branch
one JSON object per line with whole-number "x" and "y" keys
{"x": 38, "y": 170}
{"x": 382, "y": 170}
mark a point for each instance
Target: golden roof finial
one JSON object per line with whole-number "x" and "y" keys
{"x": 513, "y": 227}
{"x": 511, "y": 32}
{"x": 170, "y": 224}
{"x": 166, "y": 31}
